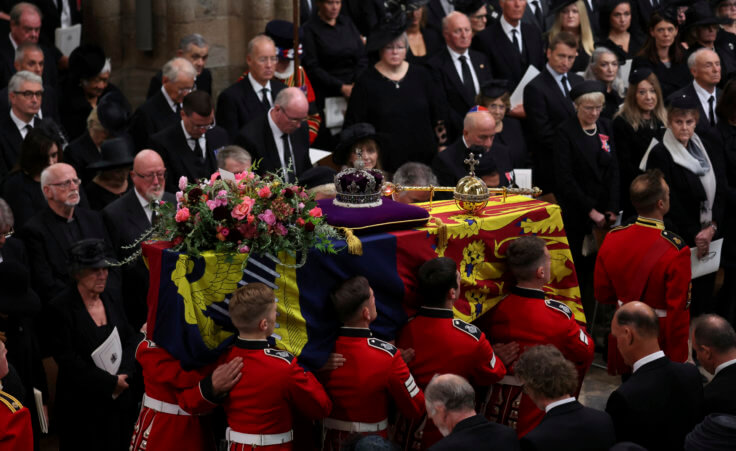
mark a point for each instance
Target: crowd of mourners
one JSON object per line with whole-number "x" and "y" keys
{"x": 624, "y": 110}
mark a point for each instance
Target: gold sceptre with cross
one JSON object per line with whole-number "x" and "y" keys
{"x": 471, "y": 193}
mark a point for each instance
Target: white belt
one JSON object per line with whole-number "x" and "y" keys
{"x": 660, "y": 312}
{"x": 258, "y": 439}
{"x": 161, "y": 406}
{"x": 354, "y": 426}
{"x": 510, "y": 380}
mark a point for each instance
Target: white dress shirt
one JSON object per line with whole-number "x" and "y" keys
{"x": 724, "y": 365}
{"x": 508, "y": 29}
{"x": 703, "y": 96}
{"x": 560, "y": 402}
{"x": 650, "y": 358}
{"x": 257, "y": 87}
{"x": 459, "y": 68}
{"x": 20, "y": 124}
{"x": 277, "y": 133}
{"x": 171, "y": 103}
{"x": 190, "y": 141}
{"x": 558, "y": 78}
{"x": 145, "y": 203}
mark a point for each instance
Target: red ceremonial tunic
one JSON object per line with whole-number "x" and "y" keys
{"x": 16, "y": 433}
{"x": 166, "y": 381}
{"x": 643, "y": 262}
{"x": 446, "y": 345}
{"x": 374, "y": 375}
{"x": 527, "y": 317}
{"x": 272, "y": 385}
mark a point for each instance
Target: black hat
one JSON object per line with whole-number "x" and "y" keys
{"x": 716, "y": 432}
{"x": 86, "y": 61}
{"x": 317, "y": 176}
{"x": 468, "y": 7}
{"x": 586, "y": 87}
{"x": 559, "y": 5}
{"x": 116, "y": 153}
{"x": 16, "y": 294}
{"x": 113, "y": 112}
{"x": 282, "y": 33}
{"x": 390, "y": 27}
{"x": 495, "y": 88}
{"x": 639, "y": 74}
{"x": 90, "y": 253}
{"x": 683, "y": 101}
{"x": 352, "y": 135}
{"x": 700, "y": 14}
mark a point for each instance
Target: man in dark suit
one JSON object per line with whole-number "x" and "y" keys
{"x": 714, "y": 342}
{"x": 127, "y": 219}
{"x": 195, "y": 49}
{"x": 510, "y": 44}
{"x": 450, "y": 403}
{"x": 547, "y": 104}
{"x": 253, "y": 95}
{"x": 30, "y": 57}
{"x": 279, "y": 138}
{"x": 26, "y": 92}
{"x": 662, "y": 400}
{"x": 162, "y": 110}
{"x": 550, "y": 381}
{"x": 537, "y": 13}
{"x": 436, "y": 11}
{"x": 705, "y": 67}
{"x": 645, "y": 9}
{"x": 459, "y": 71}
{"x": 593, "y": 10}
{"x": 188, "y": 147}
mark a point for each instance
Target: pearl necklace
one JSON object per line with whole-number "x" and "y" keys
{"x": 595, "y": 130}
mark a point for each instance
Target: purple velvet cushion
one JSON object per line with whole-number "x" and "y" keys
{"x": 390, "y": 215}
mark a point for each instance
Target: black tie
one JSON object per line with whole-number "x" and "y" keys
{"x": 29, "y": 126}
{"x": 467, "y": 77}
{"x": 538, "y": 13}
{"x": 178, "y": 109}
{"x": 197, "y": 148}
{"x": 564, "y": 86}
{"x": 264, "y": 98}
{"x": 287, "y": 158}
{"x": 515, "y": 39}
{"x": 711, "y": 100}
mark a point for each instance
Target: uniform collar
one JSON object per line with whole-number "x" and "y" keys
{"x": 649, "y": 222}
{"x": 251, "y": 344}
{"x": 528, "y": 293}
{"x": 355, "y": 332}
{"x": 434, "y": 312}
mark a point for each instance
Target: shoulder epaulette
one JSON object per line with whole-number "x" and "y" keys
{"x": 10, "y": 402}
{"x": 383, "y": 346}
{"x": 674, "y": 238}
{"x": 619, "y": 228}
{"x": 469, "y": 329}
{"x": 286, "y": 356}
{"x": 559, "y": 306}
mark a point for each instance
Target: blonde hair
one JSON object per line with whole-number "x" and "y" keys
{"x": 585, "y": 37}
{"x": 249, "y": 305}
{"x": 631, "y": 112}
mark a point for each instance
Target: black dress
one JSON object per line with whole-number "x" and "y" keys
{"x": 635, "y": 42}
{"x": 671, "y": 78}
{"x": 631, "y": 145}
{"x": 405, "y": 111}
{"x": 432, "y": 41}
{"x": 86, "y": 414}
{"x": 512, "y": 136}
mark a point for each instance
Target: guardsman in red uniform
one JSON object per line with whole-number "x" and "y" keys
{"x": 526, "y": 318}
{"x": 644, "y": 262}
{"x": 273, "y": 385}
{"x": 16, "y": 432}
{"x": 373, "y": 375}
{"x": 442, "y": 344}
{"x": 174, "y": 398}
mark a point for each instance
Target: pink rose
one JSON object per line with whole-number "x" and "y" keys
{"x": 244, "y": 249}
{"x": 242, "y": 210}
{"x": 300, "y": 222}
{"x": 179, "y": 196}
{"x": 214, "y": 177}
{"x": 264, "y": 192}
{"x": 280, "y": 229}
{"x": 183, "y": 182}
{"x": 268, "y": 217}
{"x": 182, "y": 215}
{"x": 212, "y": 204}
{"x": 315, "y": 212}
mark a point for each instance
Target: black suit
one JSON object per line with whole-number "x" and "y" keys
{"x": 571, "y": 427}
{"x": 593, "y": 18}
{"x": 703, "y": 129}
{"x": 471, "y": 433}
{"x": 49, "y": 102}
{"x": 435, "y": 14}
{"x": 531, "y": 19}
{"x": 150, "y": 118}
{"x": 257, "y": 137}
{"x": 448, "y": 79}
{"x": 546, "y": 108}
{"x": 239, "y": 104}
{"x": 719, "y": 394}
{"x": 81, "y": 153}
{"x": 180, "y": 160}
{"x": 126, "y": 220}
{"x": 645, "y": 10}
{"x": 10, "y": 140}
{"x": 203, "y": 82}
{"x": 658, "y": 405}
{"x": 506, "y": 61}
{"x": 449, "y": 165}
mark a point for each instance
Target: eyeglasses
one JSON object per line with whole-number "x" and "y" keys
{"x": 267, "y": 59}
{"x": 153, "y": 175}
{"x": 9, "y": 233}
{"x": 67, "y": 183}
{"x": 397, "y": 48}
{"x": 206, "y": 127}
{"x": 294, "y": 119}
{"x": 592, "y": 109}
{"x": 186, "y": 91}
{"x": 29, "y": 94}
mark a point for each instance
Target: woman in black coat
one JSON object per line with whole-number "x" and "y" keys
{"x": 95, "y": 407}
{"x": 693, "y": 169}
{"x": 641, "y": 119}
{"x": 586, "y": 169}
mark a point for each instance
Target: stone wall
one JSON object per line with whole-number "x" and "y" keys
{"x": 227, "y": 25}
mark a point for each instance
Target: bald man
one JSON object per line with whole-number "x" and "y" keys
{"x": 280, "y": 138}
{"x": 128, "y": 218}
{"x": 479, "y": 129}
{"x": 662, "y": 400}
